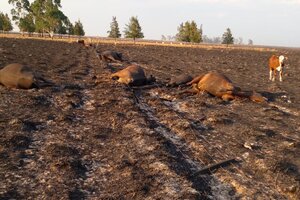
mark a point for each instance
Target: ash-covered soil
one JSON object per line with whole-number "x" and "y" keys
{"x": 88, "y": 138}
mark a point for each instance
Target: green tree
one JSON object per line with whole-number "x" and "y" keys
{"x": 45, "y": 15}
{"x": 70, "y": 28}
{"x": 26, "y": 24}
{"x": 133, "y": 29}
{"x": 189, "y": 32}
{"x": 21, "y": 8}
{"x": 78, "y": 28}
{"x": 5, "y": 23}
{"x": 227, "y": 37}
{"x": 114, "y": 29}
{"x": 195, "y": 34}
{"x": 48, "y": 16}
{"x": 183, "y": 32}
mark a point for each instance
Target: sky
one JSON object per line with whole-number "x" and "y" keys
{"x": 266, "y": 22}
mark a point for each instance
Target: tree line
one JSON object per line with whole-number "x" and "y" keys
{"x": 42, "y": 16}
{"x": 46, "y": 17}
{"x": 187, "y": 32}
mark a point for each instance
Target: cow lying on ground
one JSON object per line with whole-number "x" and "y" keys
{"x": 132, "y": 75}
{"x": 20, "y": 76}
{"x": 110, "y": 56}
{"x": 276, "y": 63}
{"x": 220, "y": 86}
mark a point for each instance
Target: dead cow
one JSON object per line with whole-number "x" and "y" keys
{"x": 221, "y": 86}
{"x": 110, "y": 56}
{"x": 133, "y": 75}
{"x": 276, "y": 63}
{"x": 22, "y": 77}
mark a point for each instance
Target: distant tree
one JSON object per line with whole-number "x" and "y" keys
{"x": 188, "y": 32}
{"x": 26, "y": 24}
{"x": 133, "y": 29}
{"x": 48, "y": 16}
{"x": 195, "y": 33}
{"x": 21, "y": 8}
{"x": 227, "y": 37}
{"x": 5, "y": 23}
{"x": 163, "y": 38}
{"x": 45, "y": 15}
{"x": 70, "y": 28}
{"x": 78, "y": 28}
{"x": 61, "y": 29}
{"x": 183, "y": 32}
{"x": 250, "y": 42}
{"x": 114, "y": 29}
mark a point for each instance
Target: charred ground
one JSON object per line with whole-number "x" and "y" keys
{"x": 96, "y": 139}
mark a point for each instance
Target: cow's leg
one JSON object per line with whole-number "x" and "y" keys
{"x": 280, "y": 75}
{"x": 271, "y": 74}
{"x": 274, "y": 75}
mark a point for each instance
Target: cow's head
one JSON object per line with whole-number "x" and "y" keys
{"x": 281, "y": 59}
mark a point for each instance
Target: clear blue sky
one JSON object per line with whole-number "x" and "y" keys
{"x": 266, "y": 22}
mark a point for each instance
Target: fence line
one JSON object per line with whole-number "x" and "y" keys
{"x": 98, "y": 39}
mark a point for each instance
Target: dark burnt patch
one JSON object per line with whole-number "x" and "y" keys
{"x": 58, "y": 150}
{"x": 273, "y": 96}
{"x": 31, "y": 126}
{"x": 287, "y": 167}
{"x": 103, "y": 134}
{"x": 11, "y": 194}
{"x": 71, "y": 118}
{"x": 269, "y": 133}
{"x": 20, "y": 142}
{"x": 70, "y": 86}
{"x": 77, "y": 194}
{"x": 76, "y": 99}
{"x": 42, "y": 100}
{"x": 79, "y": 168}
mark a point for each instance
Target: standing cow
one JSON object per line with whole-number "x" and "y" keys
{"x": 276, "y": 63}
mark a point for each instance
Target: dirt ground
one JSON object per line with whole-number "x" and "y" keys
{"x": 89, "y": 137}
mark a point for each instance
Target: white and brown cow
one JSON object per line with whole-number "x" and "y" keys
{"x": 276, "y": 63}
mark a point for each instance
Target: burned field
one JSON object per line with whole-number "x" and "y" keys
{"x": 89, "y": 137}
